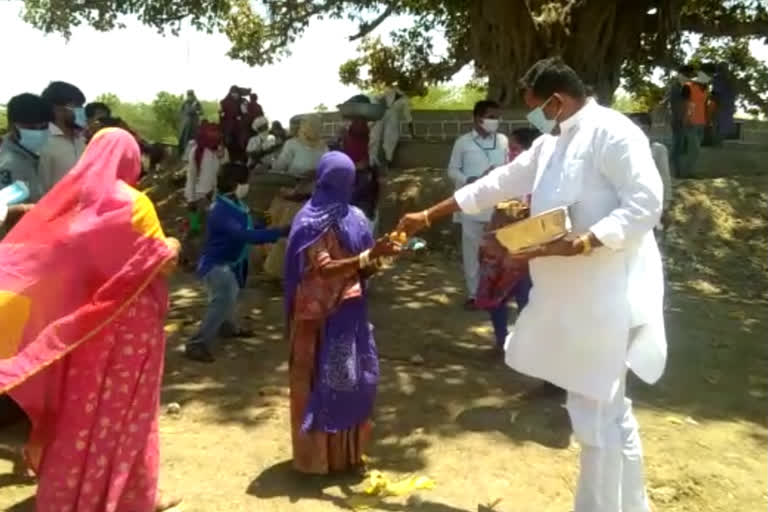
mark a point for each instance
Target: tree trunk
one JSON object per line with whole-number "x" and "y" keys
{"x": 595, "y": 37}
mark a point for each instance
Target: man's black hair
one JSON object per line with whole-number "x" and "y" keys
{"x": 29, "y": 109}
{"x": 62, "y": 93}
{"x": 526, "y": 136}
{"x": 92, "y": 108}
{"x": 483, "y": 106}
{"x": 232, "y": 174}
{"x": 553, "y": 75}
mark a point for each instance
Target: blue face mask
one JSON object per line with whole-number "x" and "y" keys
{"x": 539, "y": 120}
{"x": 33, "y": 140}
{"x": 80, "y": 119}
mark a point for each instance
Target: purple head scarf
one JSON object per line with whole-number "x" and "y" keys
{"x": 329, "y": 208}
{"x": 346, "y": 364}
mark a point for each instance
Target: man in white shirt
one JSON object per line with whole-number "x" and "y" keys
{"x": 262, "y": 145}
{"x": 596, "y": 307}
{"x": 66, "y": 142}
{"x": 474, "y": 155}
{"x": 385, "y": 134}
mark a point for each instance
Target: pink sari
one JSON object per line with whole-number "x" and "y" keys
{"x": 83, "y": 300}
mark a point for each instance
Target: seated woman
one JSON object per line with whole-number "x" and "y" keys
{"x": 83, "y": 298}
{"x": 299, "y": 155}
{"x": 298, "y": 158}
{"x": 333, "y": 363}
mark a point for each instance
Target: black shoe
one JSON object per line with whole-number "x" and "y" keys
{"x": 198, "y": 352}
{"x": 237, "y": 333}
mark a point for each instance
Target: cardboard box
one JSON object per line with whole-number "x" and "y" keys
{"x": 528, "y": 234}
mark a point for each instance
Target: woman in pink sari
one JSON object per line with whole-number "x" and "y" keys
{"x": 83, "y": 297}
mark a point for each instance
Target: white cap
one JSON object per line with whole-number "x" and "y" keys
{"x": 3, "y": 212}
{"x": 259, "y": 122}
{"x": 702, "y": 78}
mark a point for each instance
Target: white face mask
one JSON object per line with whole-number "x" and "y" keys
{"x": 241, "y": 190}
{"x": 490, "y": 125}
{"x": 539, "y": 120}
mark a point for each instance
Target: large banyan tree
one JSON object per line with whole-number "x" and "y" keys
{"x": 604, "y": 40}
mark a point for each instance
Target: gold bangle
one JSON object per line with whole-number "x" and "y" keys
{"x": 425, "y": 213}
{"x": 586, "y": 243}
{"x": 364, "y": 259}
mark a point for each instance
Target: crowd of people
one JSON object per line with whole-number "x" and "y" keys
{"x": 84, "y": 277}
{"x": 701, "y": 103}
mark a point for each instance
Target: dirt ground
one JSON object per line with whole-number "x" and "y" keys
{"x": 457, "y": 415}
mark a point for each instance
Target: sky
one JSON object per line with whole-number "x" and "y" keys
{"x": 135, "y": 63}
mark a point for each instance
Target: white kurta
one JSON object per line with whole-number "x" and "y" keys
{"x": 201, "y": 181}
{"x": 264, "y": 141}
{"x": 385, "y": 134}
{"x": 575, "y": 330}
{"x": 472, "y": 156}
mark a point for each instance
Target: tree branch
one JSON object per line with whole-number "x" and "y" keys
{"x": 743, "y": 87}
{"x": 367, "y": 28}
{"x": 724, "y": 27}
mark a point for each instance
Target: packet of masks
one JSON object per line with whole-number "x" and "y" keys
{"x": 15, "y": 193}
{"x": 408, "y": 244}
{"x": 528, "y": 234}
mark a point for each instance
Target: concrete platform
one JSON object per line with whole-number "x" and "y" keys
{"x": 732, "y": 158}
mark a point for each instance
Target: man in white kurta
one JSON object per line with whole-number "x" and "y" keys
{"x": 385, "y": 134}
{"x": 474, "y": 155}
{"x": 596, "y": 304}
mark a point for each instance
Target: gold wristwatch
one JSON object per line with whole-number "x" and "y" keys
{"x": 586, "y": 242}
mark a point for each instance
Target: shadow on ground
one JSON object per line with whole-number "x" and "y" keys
{"x": 439, "y": 380}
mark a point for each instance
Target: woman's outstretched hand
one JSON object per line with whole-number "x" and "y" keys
{"x": 384, "y": 246}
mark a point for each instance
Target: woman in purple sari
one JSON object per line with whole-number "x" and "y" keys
{"x": 334, "y": 365}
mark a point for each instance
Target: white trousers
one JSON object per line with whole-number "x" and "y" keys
{"x": 472, "y": 233}
{"x": 611, "y": 477}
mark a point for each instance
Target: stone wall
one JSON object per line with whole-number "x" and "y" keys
{"x": 449, "y": 124}
{"x": 437, "y": 129}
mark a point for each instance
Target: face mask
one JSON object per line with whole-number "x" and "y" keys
{"x": 241, "y": 190}
{"x": 490, "y": 125}
{"x": 33, "y": 140}
{"x": 80, "y": 120}
{"x": 539, "y": 120}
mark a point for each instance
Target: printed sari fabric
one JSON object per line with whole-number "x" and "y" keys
{"x": 83, "y": 300}
{"x": 499, "y": 271}
{"x": 317, "y": 451}
{"x": 334, "y": 367}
